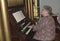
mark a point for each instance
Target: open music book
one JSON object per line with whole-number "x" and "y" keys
{"x": 18, "y": 16}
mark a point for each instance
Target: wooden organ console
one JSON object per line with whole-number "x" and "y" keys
{"x": 21, "y": 14}
{"x": 19, "y": 23}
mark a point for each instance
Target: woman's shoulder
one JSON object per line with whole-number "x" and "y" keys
{"x": 48, "y": 18}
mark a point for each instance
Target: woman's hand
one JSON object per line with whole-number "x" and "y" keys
{"x": 31, "y": 26}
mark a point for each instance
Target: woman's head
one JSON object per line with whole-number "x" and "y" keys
{"x": 46, "y": 10}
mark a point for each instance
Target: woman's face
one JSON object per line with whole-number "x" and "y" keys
{"x": 44, "y": 12}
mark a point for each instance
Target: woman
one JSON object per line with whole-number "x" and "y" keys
{"x": 45, "y": 29}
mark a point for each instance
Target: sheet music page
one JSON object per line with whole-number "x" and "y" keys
{"x": 18, "y": 16}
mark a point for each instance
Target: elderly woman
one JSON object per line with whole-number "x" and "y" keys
{"x": 45, "y": 29}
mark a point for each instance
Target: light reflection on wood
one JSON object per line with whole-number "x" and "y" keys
{"x": 5, "y": 21}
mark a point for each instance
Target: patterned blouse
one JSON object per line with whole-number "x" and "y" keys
{"x": 45, "y": 29}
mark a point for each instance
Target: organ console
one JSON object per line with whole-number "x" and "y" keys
{"x": 20, "y": 13}
{"x": 19, "y": 22}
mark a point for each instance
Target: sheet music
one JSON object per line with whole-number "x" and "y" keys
{"x": 18, "y": 16}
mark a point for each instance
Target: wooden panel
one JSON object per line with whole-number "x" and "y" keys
{"x": 1, "y": 34}
{"x": 14, "y": 2}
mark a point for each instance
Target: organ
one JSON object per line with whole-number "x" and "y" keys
{"x": 21, "y": 16}
{"x": 19, "y": 24}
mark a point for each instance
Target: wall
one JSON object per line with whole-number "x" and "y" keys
{"x": 55, "y": 4}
